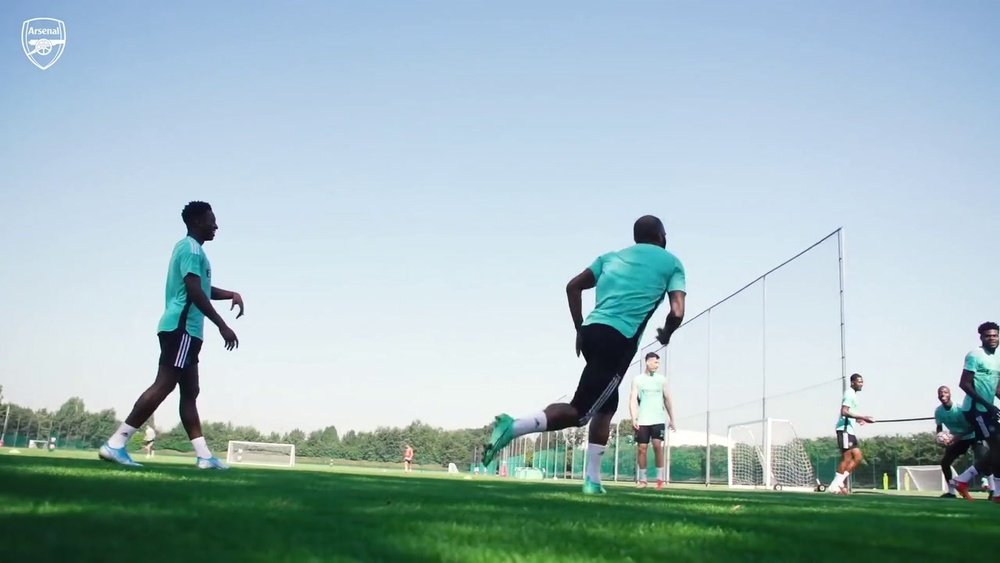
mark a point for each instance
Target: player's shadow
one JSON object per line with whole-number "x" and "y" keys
{"x": 301, "y": 515}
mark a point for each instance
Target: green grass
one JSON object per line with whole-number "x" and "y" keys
{"x": 70, "y": 508}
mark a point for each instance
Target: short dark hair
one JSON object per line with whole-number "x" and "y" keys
{"x": 652, "y": 355}
{"x": 648, "y": 229}
{"x": 194, "y": 210}
{"x": 855, "y": 377}
{"x": 988, "y": 325}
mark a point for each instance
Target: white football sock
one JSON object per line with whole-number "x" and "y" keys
{"x": 121, "y": 436}
{"x": 992, "y": 483}
{"x": 661, "y": 473}
{"x": 838, "y": 482}
{"x": 201, "y": 448}
{"x": 951, "y": 486}
{"x": 968, "y": 475}
{"x": 594, "y": 453}
{"x": 640, "y": 474}
{"x": 528, "y": 424}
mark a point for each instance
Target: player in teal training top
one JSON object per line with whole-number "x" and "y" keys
{"x": 980, "y": 379}
{"x": 631, "y": 283}
{"x": 847, "y": 438}
{"x": 949, "y": 415}
{"x": 188, "y": 298}
{"x": 650, "y": 408}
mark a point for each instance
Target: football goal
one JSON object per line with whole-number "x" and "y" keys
{"x": 260, "y": 453}
{"x": 921, "y": 478}
{"x": 768, "y": 454}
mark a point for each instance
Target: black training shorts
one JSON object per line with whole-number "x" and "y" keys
{"x": 179, "y": 349}
{"x": 846, "y": 441}
{"x": 984, "y": 425}
{"x": 608, "y": 354}
{"x": 654, "y": 431}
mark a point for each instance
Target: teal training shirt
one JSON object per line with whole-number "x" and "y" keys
{"x": 631, "y": 284}
{"x": 850, "y": 401}
{"x": 985, "y": 367}
{"x": 188, "y": 257}
{"x": 954, "y": 420}
{"x": 649, "y": 391}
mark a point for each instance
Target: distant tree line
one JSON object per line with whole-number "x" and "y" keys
{"x": 75, "y": 427}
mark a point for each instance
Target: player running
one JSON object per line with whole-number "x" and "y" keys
{"x": 847, "y": 439}
{"x": 949, "y": 415}
{"x": 631, "y": 283}
{"x": 189, "y": 293}
{"x": 980, "y": 380}
{"x": 650, "y": 408}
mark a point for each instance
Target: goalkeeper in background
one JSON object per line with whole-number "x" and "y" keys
{"x": 652, "y": 413}
{"x": 949, "y": 415}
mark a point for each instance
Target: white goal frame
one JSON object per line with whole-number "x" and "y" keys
{"x": 763, "y": 432}
{"x": 234, "y": 444}
{"x": 902, "y": 470}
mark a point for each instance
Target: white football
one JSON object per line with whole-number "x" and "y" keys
{"x": 943, "y": 438}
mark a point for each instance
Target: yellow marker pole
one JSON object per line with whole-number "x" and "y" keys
{"x": 885, "y": 481}
{"x": 906, "y": 481}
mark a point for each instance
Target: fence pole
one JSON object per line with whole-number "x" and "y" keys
{"x": 708, "y": 405}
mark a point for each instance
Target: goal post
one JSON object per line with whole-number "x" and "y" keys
{"x": 921, "y": 478}
{"x": 768, "y": 454}
{"x": 260, "y": 453}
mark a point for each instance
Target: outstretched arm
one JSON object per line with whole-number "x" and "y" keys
{"x": 223, "y": 294}
{"x": 846, "y": 412}
{"x": 192, "y": 283}
{"x": 674, "y": 318}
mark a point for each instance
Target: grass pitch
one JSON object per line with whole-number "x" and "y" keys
{"x": 71, "y": 509}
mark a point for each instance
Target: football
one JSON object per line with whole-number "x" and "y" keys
{"x": 943, "y": 438}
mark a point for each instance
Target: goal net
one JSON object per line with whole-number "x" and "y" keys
{"x": 921, "y": 478}
{"x": 768, "y": 454}
{"x": 261, "y": 453}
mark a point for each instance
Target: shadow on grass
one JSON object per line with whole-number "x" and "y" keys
{"x": 86, "y": 510}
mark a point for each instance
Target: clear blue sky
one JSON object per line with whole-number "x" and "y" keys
{"x": 404, "y": 189}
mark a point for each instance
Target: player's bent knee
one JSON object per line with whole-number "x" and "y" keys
{"x": 190, "y": 391}
{"x": 163, "y": 388}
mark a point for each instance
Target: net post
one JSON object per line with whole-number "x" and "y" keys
{"x": 6, "y": 419}
{"x": 763, "y": 355}
{"x": 768, "y": 438}
{"x": 617, "y": 432}
{"x": 666, "y": 458}
{"x": 708, "y": 410}
{"x": 729, "y": 456}
{"x": 843, "y": 319}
